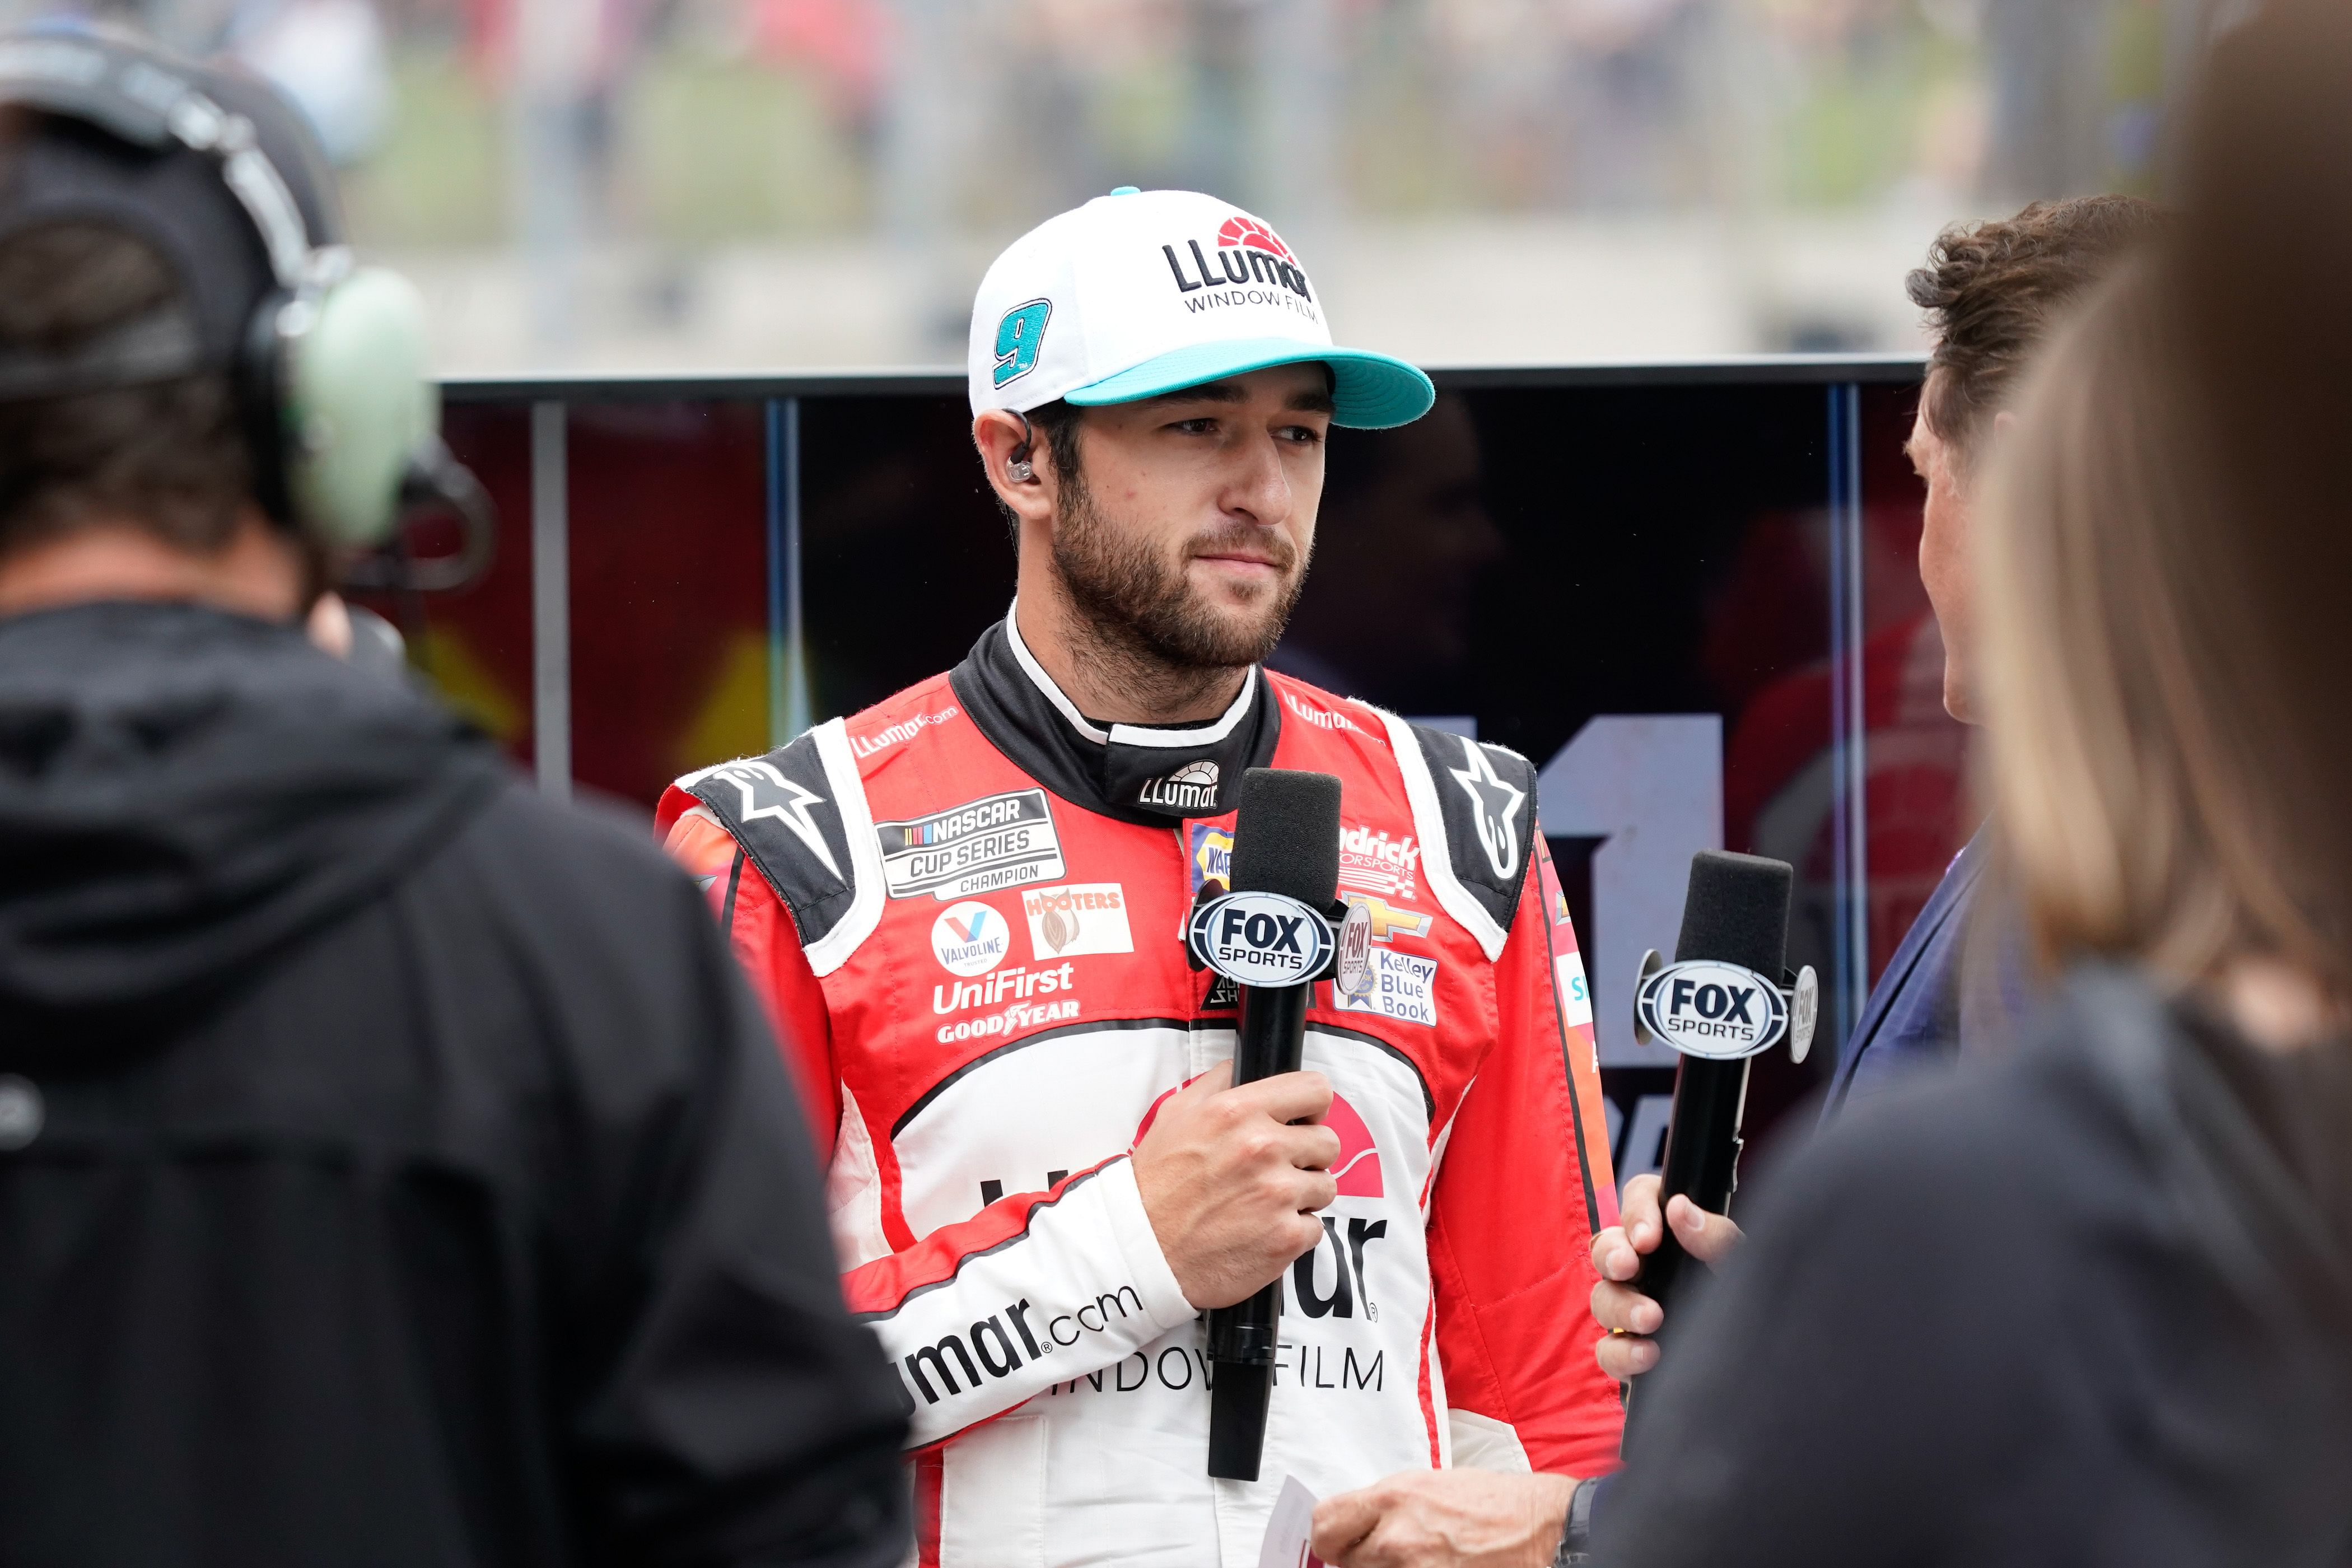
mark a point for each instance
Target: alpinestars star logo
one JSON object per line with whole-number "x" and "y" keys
{"x": 1492, "y": 806}
{"x": 768, "y": 793}
{"x": 1192, "y": 787}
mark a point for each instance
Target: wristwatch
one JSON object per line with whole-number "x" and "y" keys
{"x": 1576, "y": 1536}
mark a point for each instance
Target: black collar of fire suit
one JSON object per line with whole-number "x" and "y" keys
{"x": 1152, "y": 775}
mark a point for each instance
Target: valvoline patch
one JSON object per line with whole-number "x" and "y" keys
{"x": 1356, "y": 1170}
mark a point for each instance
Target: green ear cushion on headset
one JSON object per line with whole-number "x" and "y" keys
{"x": 359, "y": 402}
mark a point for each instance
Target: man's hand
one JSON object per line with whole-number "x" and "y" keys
{"x": 1231, "y": 1186}
{"x": 1445, "y": 1518}
{"x": 1626, "y": 1351}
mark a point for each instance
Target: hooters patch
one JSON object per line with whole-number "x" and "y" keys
{"x": 1077, "y": 920}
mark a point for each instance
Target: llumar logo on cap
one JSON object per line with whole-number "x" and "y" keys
{"x": 1247, "y": 231}
{"x": 1245, "y": 252}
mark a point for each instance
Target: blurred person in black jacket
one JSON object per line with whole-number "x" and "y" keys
{"x": 393, "y": 1168}
{"x": 2092, "y": 1302}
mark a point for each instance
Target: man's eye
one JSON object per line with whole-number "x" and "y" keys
{"x": 1201, "y": 427}
{"x": 1304, "y": 435}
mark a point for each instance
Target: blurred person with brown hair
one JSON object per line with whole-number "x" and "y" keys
{"x": 394, "y": 1167}
{"x": 1992, "y": 292}
{"x": 2092, "y": 1302}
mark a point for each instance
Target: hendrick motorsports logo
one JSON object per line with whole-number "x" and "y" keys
{"x": 1706, "y": 1008}
{"x": 1261, "y": 939}
{"x": 1379, "y": 864}
{"x": 1003, "y": 841}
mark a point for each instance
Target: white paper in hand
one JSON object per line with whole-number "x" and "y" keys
{"x": 1289, "y": 1529}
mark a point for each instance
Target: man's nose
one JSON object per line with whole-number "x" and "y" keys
{"x": 1259, "y": 487}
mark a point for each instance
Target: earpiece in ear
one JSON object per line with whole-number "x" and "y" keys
{"x": 1016, "y": 464}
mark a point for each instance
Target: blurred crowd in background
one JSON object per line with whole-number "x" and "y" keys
{"x": 728, "y": 184}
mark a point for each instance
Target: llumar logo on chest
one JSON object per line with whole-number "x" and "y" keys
{"x": 1000, "y": 841}
{"x": 1192, "y": 787}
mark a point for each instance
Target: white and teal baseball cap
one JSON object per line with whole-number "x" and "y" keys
{"x": 1142, "y": 292}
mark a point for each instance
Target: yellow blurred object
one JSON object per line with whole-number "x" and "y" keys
{"x": 467, "y": 684}
{"x": 733, "y": 719}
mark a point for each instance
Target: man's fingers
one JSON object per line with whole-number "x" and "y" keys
{"x": 1710, "y": 1237}
{"x": 1316, "y": 1191}
{"x": 1312, "y": 1147}
{"x": 1341, "y": 1522}
{"x": 1217, "y": 1080}
{"x": 1613, "y": 1257}
{"x": 1290, "y": 1096}
{"x": 1637, "y": 1214}
{"x": 1623, "y": 1310}
{"x": 1623, "y": 1357}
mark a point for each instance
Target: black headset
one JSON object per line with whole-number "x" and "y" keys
{"x": 342, "y": 411}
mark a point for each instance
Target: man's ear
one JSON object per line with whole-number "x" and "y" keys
{"x": 2005, "y": 424}
{"x": 1000, "y": 437}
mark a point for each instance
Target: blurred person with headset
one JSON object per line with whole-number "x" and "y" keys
{"x": 2091, "y": 1301}
{"x": 392, "y": 1166}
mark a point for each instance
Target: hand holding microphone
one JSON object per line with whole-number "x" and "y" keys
{"x": 1230, "y": 1175}
{"x": 1720, "y": 1004}
{"x": 1627, "y": 1351}
{"x": 1271, "y": 935}
{"x": 1234, "y": 1164}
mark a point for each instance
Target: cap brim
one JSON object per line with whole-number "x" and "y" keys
{"x": 1368, "y": 391}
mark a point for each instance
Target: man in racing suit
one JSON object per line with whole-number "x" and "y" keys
{"x": 965, "y": 906}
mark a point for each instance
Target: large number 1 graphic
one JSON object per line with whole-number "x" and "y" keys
{"x": 1650, "y": 787}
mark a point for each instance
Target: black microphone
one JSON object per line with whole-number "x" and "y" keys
{"x": 1735, "y": 924}
{"x": 434, "y": 481}
{"x": 1286, "y": 843}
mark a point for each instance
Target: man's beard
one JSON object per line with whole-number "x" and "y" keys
{"x": 1141, "y": 614}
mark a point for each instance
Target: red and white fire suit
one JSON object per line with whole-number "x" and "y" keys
{"x": 965, "y": 908}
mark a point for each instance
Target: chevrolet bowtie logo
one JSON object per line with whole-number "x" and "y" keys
{"x": 1387, "y": 921}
